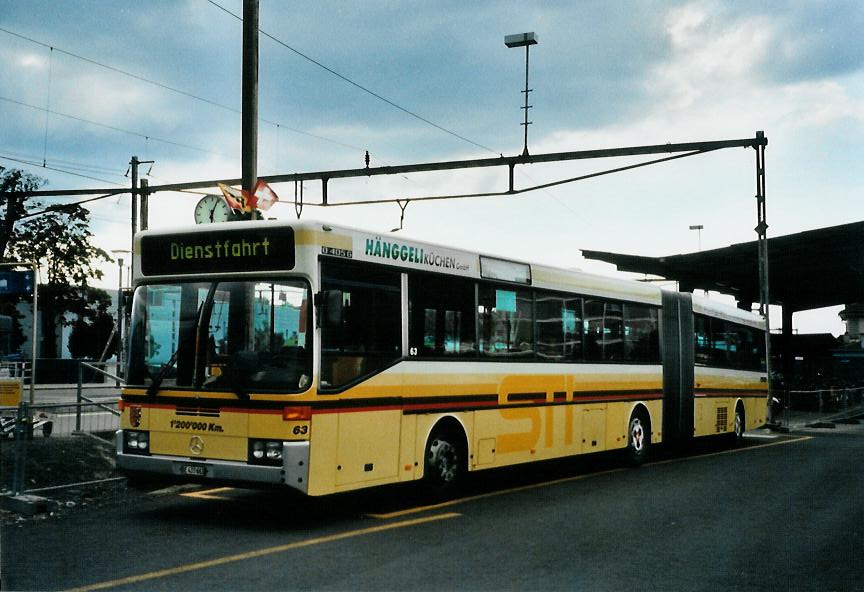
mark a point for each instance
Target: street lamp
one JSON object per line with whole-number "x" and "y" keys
{"x": 120, "y": 307}
{"x": 525, "y": 40}
{"x": 698, "y": 228}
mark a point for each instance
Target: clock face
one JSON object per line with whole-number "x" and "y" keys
{"x": 212, "y": 208}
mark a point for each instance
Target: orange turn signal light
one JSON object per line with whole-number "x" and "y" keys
{"x": 296, "y": 413}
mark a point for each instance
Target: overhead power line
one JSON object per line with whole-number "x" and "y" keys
{"x": 68, "y": 164}
{"x": 356, "y": 84}
{"x": 177, "y": 90}
{"x": 115, "y": 69}
{"x": 59, "y": 170}
{"x": 61, "y": 207}
{"x": 117, "y": 129}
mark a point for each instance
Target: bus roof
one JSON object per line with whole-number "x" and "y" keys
{"x": 403, "y": 252}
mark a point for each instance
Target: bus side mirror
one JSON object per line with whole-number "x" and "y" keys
{"x": 329, "y": 304}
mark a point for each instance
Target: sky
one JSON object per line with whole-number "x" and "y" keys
{"x": 84, "y": 85}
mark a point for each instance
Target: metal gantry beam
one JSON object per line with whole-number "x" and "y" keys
{"x": 508, "y": 161}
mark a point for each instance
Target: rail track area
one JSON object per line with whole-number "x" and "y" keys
{"x": 780, "y": 512}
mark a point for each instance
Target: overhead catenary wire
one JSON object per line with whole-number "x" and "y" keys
{"x": 279, "y": 125}
{"x": 66, "y": 164}
{"x": 57, "y": 169}
{"x": 120, "y": 129}
{"x": 356, "y": 84}
{"x": 61, "y": 207}
{"x": 177, "y": 90}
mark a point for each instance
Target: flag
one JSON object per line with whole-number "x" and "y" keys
{"x": 264, "y": 195}
{"x": 234, "y": 197}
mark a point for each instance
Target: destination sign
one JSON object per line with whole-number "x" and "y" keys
{"x": 246, "y": 249}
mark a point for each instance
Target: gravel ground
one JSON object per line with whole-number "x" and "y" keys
{"x": 56, "y": 461}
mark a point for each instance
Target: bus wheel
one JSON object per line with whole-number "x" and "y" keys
{"x": 739, "y": 425}
{"x": 638, "y": 439}
{"x": 445, "y": 464}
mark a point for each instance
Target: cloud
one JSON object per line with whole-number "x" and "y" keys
{"x": 708, "y": 54}
{"x": 817, "y": 40}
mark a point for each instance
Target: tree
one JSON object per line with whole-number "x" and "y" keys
{"x": 93, "y": 326}
{"x": 59, "y": 239}
{"x": 13, "y": 208}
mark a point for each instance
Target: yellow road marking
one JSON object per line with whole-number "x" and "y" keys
{"x": 208, "y": 493}
{"x": 189, "y": 567}
{"x": 471, "y": 498}
{"x": 732, "y": 451}
{"x": 462, "y": 500}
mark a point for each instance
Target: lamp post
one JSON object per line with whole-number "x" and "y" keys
{"x": 525, "y": 40}
{"x": 698, "y": 228}
{"x": 120, "y": 308}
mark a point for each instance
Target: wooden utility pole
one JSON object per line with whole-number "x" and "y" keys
{"x": 249, "y": 162}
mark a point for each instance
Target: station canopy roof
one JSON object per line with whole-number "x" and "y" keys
{"x": 811, "y": 269}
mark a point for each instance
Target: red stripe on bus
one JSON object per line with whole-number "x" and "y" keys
{"x": 472, "y": 404}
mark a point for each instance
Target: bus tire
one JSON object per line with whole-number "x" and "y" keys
{"x": 638, "y": 438}
{"x": 445, "y": 464}
{"x": 739, "y": 424}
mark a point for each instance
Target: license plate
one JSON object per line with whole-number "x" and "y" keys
{"x": 194, "y": 470}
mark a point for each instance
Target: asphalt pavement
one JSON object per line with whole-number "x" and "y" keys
{"x": 782, "y": 512}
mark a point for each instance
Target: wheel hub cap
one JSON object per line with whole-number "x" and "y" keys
{"x": 637, "y": 436}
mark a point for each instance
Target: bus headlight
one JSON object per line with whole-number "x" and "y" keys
{"x": 136, "y": 442}
{"x": 274, "y": 450}
{"x": 265, "y": 452}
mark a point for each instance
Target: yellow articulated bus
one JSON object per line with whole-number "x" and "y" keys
{"x": 328, "y": 359}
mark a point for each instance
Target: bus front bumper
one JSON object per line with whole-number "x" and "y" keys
{"x": 294, "y": 471}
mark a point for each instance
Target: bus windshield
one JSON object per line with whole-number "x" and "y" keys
{"x": 227, "y": 336}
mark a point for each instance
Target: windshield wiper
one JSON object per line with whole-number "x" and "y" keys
{"x": 163, "y": 372}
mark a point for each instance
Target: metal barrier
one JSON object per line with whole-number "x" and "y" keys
{"x": 819, "y": 407}
{"x": 80, "y": 398}
{"x": 63, "y": 460}
{"x": 58, "y": 445}
{"x": 22, "y": 370}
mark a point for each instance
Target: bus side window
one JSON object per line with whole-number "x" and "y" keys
{"x": 641, "y": 336}
{"x": 702, "y": 340}
{"x": 604, "y": 330}
{"x": 506, "y": 321}
{"x": 441, "y": 310}
{"x": 370, "y": 335}
{"x": 559, "y": 327}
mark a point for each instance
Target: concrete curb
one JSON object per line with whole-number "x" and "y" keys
{"x": 27, "y": 504}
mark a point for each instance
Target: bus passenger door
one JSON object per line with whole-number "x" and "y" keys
{"x": 360, "y": 349}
